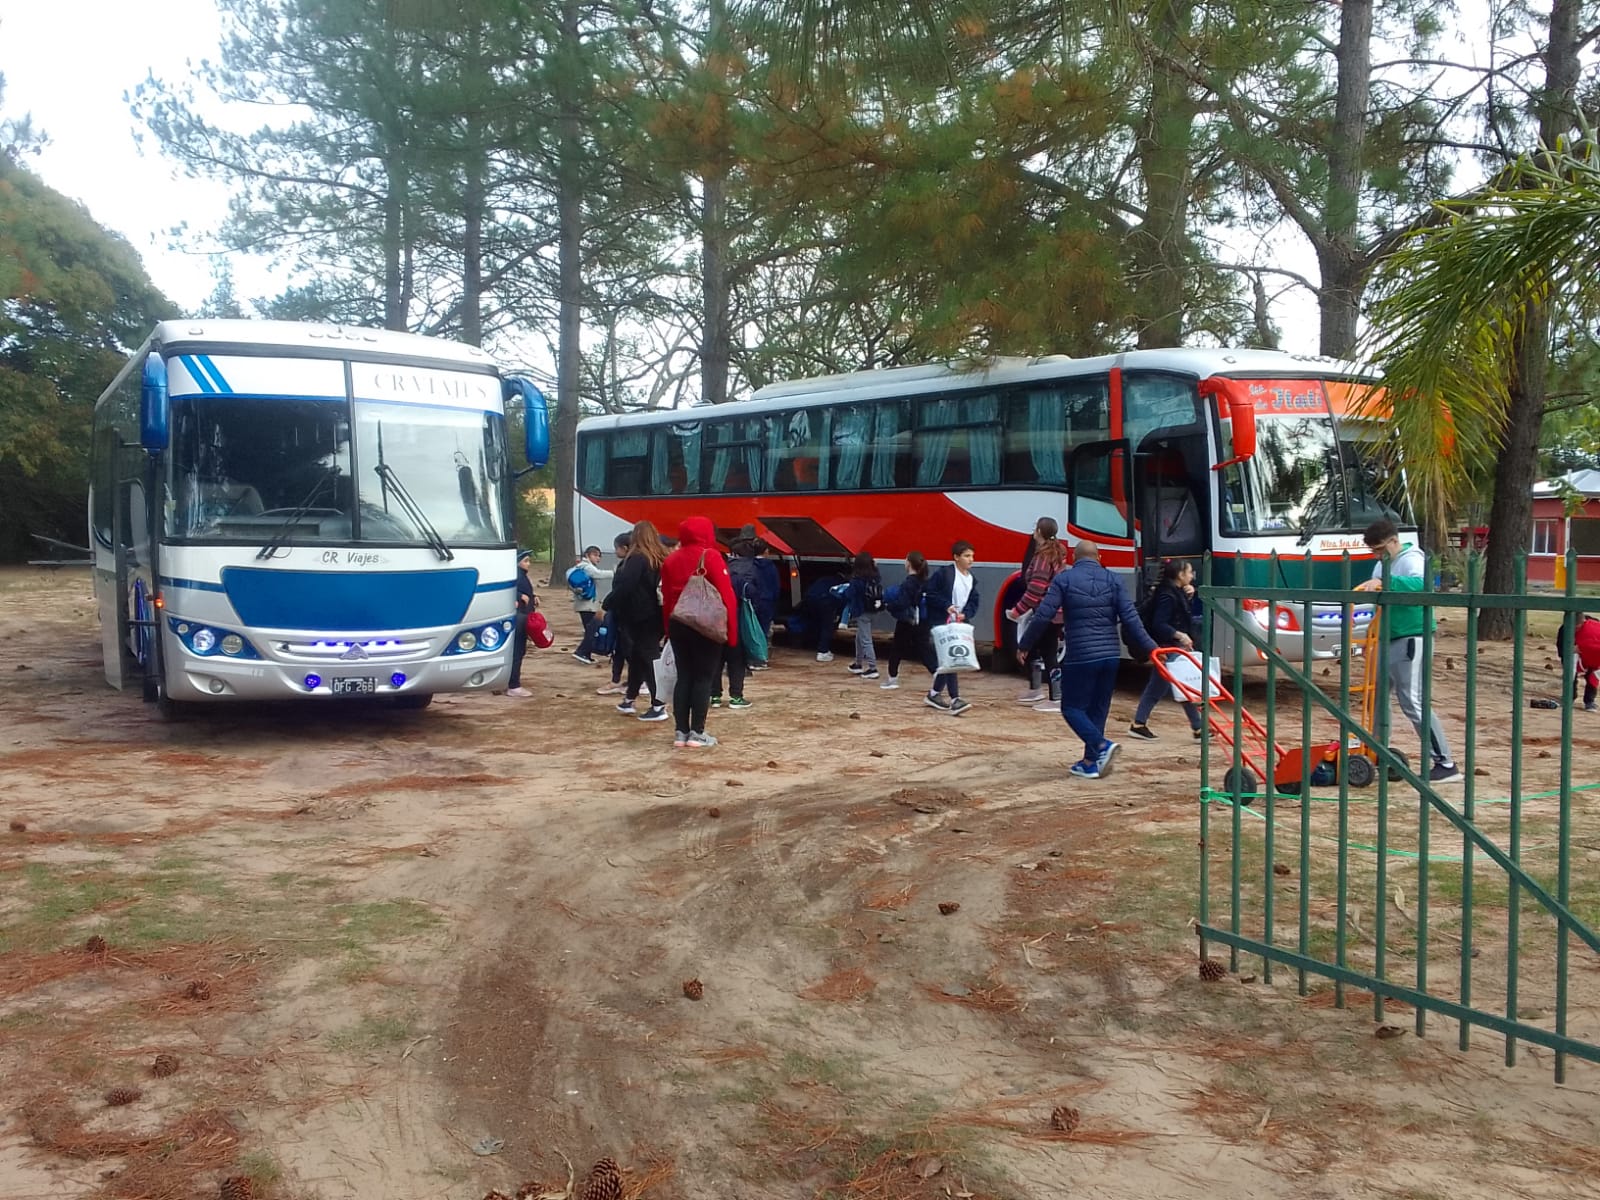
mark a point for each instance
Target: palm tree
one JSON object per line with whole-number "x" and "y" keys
{"x": 1461, "y": 317}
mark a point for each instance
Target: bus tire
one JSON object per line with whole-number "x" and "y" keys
{"x": 414, "y": 701}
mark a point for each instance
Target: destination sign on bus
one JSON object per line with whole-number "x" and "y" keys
{"x": 1288, "y": 397}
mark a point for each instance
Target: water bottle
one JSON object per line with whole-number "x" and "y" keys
{"x": 1035, "y": 675}
{"x": 1055, "y": 685}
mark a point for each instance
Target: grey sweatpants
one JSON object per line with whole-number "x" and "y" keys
{"x": 1405, "y": 681}
{"x": 865, "y": 655}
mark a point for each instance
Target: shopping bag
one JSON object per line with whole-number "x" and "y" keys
{"x": 955, "y": 647}
{"x": 751, "y": 636}
{"x": 666, "y": 675}
{"x": 1023, "y": 621}
{"x": 1184, "y": 670}
{"x": 539, "y": 630}
{"x": 700, "y": 606}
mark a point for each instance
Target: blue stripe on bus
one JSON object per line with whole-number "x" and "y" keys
{"x": 333, "y": 601}
{"x": 509, "y": 585}
{"x": 210, "y": 368}
{"x": 182, "y": 395}
{"x": 194, "y": 585}
{"x": 196, "y": 374}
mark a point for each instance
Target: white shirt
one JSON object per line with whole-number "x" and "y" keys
{"x": 961, "y": 590}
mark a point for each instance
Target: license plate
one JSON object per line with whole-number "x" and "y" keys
{"x": 362, "y": 686}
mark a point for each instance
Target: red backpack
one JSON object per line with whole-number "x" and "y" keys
{"x": 539, "y": 630}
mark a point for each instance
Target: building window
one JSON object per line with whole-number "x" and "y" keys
{"x": 1586, "y": 536}
{"x": 1544, "y": 537}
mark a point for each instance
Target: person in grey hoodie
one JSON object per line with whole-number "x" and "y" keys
{"x": 586, "y": 602}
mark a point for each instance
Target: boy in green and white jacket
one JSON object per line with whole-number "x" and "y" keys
{"x": 1408, "y": 565}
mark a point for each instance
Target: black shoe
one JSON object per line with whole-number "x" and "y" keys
{"x": 1143, "y": 731}
{"x": 1444, "y": 773}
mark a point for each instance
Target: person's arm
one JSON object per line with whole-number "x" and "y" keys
{"x": 598, "y": 574}
{"x": 1036, "y": 584}
{"x": 1163, "y": 618}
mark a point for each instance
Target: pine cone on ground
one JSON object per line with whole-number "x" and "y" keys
{"x": 237, "y": 1187}
{"x": 96, "y": 945}
{"x": 119, "y": 1096}
{"x": 164, "y": 1065}
{"x": 1064, "y": 1119}
{"x": 604, "y": 1182}
{"x": 946, "y": 907}
{"x": 1211, "y": 970}
{"x": 693, "y": 989}
{"x": 198, "y": 989}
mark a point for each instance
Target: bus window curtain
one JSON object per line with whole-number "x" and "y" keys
{"x": 886, "y": 446}
{"x": 594, "y": 465}
{"x": 659, "y": 483}
{"x": 721, "y": 460}
{"x": 983, "y": 439}
{"x": 755, "y": 435}
{"x": 851, "y": 426}
{"x": 1047, "y": 437}
{"x": 689, "y": 449}
{"x": 933, "y": 446}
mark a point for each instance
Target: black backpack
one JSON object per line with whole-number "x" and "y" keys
{"x": 872, "y": 593}
{"x": 1147, "y": 611}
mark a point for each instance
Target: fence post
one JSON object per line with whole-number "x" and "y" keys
{"x": 1569, "y": 650}
{"x": 1469, "y": 784}
{"x": 1519, "y": 636}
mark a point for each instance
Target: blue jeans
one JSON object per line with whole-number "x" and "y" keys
{"x": 1154, "y": 689}
{"x": 1086, "y": 701}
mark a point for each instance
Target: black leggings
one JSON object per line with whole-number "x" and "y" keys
{"x": 910, "y": 643}
{"x": 699, "y": 661}
{"x": 643, "y": 644}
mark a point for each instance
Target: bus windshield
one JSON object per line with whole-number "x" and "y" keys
{"x": 1294, "y": 483}
{"x": 254, "y": 469}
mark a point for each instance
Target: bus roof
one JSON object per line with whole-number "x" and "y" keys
{"x": 222, "y": 335}
{"x": 958, "y": 376}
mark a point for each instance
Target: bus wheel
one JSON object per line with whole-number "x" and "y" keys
{"x": 415, "y": 700}
{"x": 170, "y": 709}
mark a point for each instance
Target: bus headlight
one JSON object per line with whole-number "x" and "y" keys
{"x": 204, "y": 641}
{"x": 232, "y": 644}
{"x": 466, "y": 640}
{"x": 489, "y": 637}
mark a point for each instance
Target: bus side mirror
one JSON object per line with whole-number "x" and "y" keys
{"x": 535, "y": 420}
{"x": 1236, "y": 410}
{"x": 153, "y": 404}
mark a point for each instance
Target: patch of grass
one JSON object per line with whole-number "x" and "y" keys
{"x": 841, "y": 1074}
{"x": 262, "y": 1168}
{"x": 27, "y": 1018}
{"x": 371, "y": 1033}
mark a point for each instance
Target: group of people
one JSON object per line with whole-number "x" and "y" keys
{"x": 1072, "y": 619}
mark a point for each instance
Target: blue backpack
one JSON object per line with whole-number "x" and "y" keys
{"x": 581, "y": 583}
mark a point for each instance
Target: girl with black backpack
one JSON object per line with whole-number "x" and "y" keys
{"x": 863, "y": 601}
{"x": 1171, "y": 623}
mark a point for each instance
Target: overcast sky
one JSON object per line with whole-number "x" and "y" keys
{"x": 68, "y": 63}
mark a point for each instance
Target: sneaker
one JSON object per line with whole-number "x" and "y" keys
{"x": 520, "y": 693}
{"x": 1141, "y": 730}
{"x": 935, "y": 700}
{"x": 680, "y": 739}
{"x": 959, "y": 705}
{"x": 856, "y": 668}
{"x": 1103, "y": 763}
{"x": 872, "y": 674}
{"x": 1033, "y": 696}
{"x": 761, "y": 666}
{"x": 824, "y": 656}
{"x": 656, "y": 712}
{"x": 644, "y": 689}
{"x": 890, "y": 684}
{"x": 626, "y": 708}
{"x": 1444, "y": 773}
{"x": 1084, "y": 770}
{"x": 1198, "y": 734}
{"x": 1591, "y": 706}
{"x": 700, "y": 741}
{"x": 716, "y": 702}
{"x": 583, "y": 658}
{"x": 739, "y": 704}
{"x": 610, "y": 689}
{"x": 1048, "y": 706}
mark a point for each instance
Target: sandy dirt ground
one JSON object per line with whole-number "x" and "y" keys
{"x": 427, "y": 955}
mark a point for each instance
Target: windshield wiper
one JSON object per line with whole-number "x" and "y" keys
{"x": 414, "y": 511}
{"x": 296, "y": 515}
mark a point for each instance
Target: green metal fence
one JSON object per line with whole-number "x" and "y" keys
{"x": 1317, "y": 876}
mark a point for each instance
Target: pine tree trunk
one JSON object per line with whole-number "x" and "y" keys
{"x": 569, "y": 253}
{"x": 1339, "y": 257}
{"x": 714, "y": 349}
{"x": 1160, "y": 243}
{"x": 1511, "y": 513}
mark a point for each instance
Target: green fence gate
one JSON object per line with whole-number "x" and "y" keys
{"x": 1459, "y": 899}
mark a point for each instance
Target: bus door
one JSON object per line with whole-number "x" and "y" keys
{"x": 1100, "y": 494}
{"x": 1168, "y": 500}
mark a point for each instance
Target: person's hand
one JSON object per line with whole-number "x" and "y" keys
{"x": 1188, "y": 589}
{"x": 953, "y": 612}
{"x": 1186, "y": 641}
{"x": 1022, "y": 657}
{"x": 1371, "y": 585}
{"x": 1012, "y": 614}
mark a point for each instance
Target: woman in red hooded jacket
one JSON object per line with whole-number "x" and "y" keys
{"x": 698, "y": 657}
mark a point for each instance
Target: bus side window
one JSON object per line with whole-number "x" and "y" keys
{"x": 794, "y": 449}
{"x": 1043, "y": 425}
{"x": 593, "y": 456}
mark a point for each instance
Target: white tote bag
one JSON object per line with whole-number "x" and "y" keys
{"x": 955, "y": 647}
{"x": 666, "y": 676}
{"x": 1185, "y": 669}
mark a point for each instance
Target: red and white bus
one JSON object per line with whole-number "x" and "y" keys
{"x": 1153, "y": 454}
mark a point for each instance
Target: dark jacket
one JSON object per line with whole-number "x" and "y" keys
{"x": 633, "y": 600}
{"x": 525, "y": 601}
{"x": 1094, "y": 603}
{"x": 906, "y": 600}
{"x": 768, "y": 588}
{"x": 940, "y": 594}
{"x": 1170, "y": 615}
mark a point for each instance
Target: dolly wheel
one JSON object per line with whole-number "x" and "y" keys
{"x": 1239, "y": 781}
{"x": 1359, "y": 771}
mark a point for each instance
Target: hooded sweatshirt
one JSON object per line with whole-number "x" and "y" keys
{"x": 697, "y": 541}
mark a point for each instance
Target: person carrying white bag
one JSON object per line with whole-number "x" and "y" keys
{"x": 951, "y": 598}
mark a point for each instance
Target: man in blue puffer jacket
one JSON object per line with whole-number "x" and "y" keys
{"x": 1093, "y": 602}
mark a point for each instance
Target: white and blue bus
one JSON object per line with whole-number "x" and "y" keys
{"x": 283, "y": 511}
